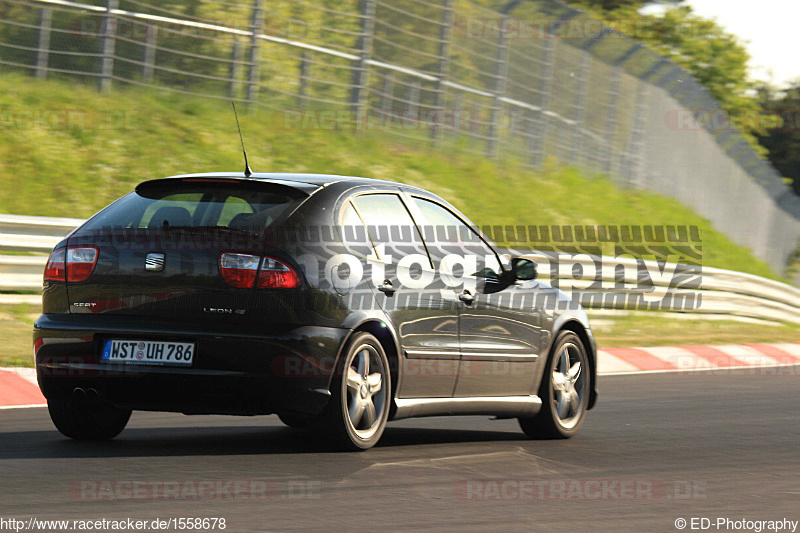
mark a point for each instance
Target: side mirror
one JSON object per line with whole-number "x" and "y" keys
{"x": 523, "y": 269}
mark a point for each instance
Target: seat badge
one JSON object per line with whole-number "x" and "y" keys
{"x": 154, "y": 262}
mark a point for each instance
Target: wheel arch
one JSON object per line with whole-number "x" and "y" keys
{"x": 387, "y": 337}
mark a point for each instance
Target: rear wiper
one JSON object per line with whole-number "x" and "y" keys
{"x": 167, "y": 227}
{"x": 228, "y": 229}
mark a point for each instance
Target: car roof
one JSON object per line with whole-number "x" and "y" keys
{"x": 309, "y": 183}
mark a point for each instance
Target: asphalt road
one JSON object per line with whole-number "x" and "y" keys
{"x": 656, "y": 448}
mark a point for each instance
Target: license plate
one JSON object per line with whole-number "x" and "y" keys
{"x": 148, "y": 352}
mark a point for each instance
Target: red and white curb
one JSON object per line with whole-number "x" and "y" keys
{"x": 696, "y": 358}
{"x": 18, "y": 387}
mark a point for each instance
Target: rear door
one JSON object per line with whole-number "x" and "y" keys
{"x": 404, "y": 282}
{"x": 499, "y": 331}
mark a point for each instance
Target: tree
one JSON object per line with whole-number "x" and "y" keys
{"x": 610, "y": 5}
{"x": 783, "y": 142}
{"x": 716, "y": 58}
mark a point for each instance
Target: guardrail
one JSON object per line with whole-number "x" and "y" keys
{"x": 32, "y": 234}
{"x": 23, "y": 273}
{"x": 600, "y": 282}
{"x": 711, "y": 291}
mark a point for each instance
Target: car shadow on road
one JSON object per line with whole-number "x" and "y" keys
{"x": 222, "y": 441}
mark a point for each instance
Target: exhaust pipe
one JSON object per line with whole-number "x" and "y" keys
{"x": 86, "y": 395}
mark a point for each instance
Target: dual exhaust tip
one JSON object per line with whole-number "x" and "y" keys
{"x": 85, "y": 395}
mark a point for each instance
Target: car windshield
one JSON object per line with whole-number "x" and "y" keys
{"x": 199, "y": 206}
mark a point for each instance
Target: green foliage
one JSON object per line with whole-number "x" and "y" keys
{"x": 609, "y": 5}
{"x": 783, "y": 140}
{"x": 716, "y": 58}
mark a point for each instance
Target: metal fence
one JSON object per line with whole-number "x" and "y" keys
{"x": 543, "y": 80}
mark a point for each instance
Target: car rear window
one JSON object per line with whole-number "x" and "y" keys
{"x": 233, "y": 206}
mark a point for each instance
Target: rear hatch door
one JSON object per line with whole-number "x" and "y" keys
{"x": 159, "y": 248}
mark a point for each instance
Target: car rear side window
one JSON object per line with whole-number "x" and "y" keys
{"x": 200, "y": 206}
{"x": 389, "y": 224}
{"x": 355, "y": 233}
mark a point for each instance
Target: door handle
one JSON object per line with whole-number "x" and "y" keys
{"x": 466, "y": 297}
{"x": 386, "y": 287}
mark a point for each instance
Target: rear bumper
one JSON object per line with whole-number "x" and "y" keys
{"x": 285, "y": 368}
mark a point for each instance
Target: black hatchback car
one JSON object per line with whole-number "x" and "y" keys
{"x": 338, "y": 303}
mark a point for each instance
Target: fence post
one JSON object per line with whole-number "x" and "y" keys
{"x": 610, "y": 129}
{"x": 541, "y": 127}
{"x": 256, "y": 26}
{"x": 444, "y": 67}
{"x": 109, "y": 37}
{"x": 303, "y": 89}
{"x": 387, "y": 97}
{"x": 43, "y": 54}
{"x": 577, "y": 148}
{"x": 501, "y": 72}
{"x": 358, "y": 94}
{"x": 458, "y": 105}
{"x": 631, "y": 174}
{"x": 234, "y": 71}
{"x": 412, "y": 109}
{"x": 150, "y": 53}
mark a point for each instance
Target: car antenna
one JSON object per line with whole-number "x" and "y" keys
{"x": 247, "y": 170}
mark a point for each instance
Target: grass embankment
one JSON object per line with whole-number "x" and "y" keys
{"x": 669, "y": 329}
{"x": 66, "y": 150}
{"x": 16, "y": 325}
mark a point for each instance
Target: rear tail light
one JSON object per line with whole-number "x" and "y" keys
{"x": 80, "y": 262}
{"x": 242, "y": 271}
{"x": 75, "y": 263}
{"x": 277, "y": 275}
{"x": 38, "y": 343}
{"x": 239, "y": 270}
{"x": 56, "y": 269}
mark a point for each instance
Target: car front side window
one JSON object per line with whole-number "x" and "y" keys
{"x": 447, "y": 236}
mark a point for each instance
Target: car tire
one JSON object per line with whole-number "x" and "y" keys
{"x": 360, "y": 396}
{"x": 87, "y": 421}
{"x": 564, "y": 391}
